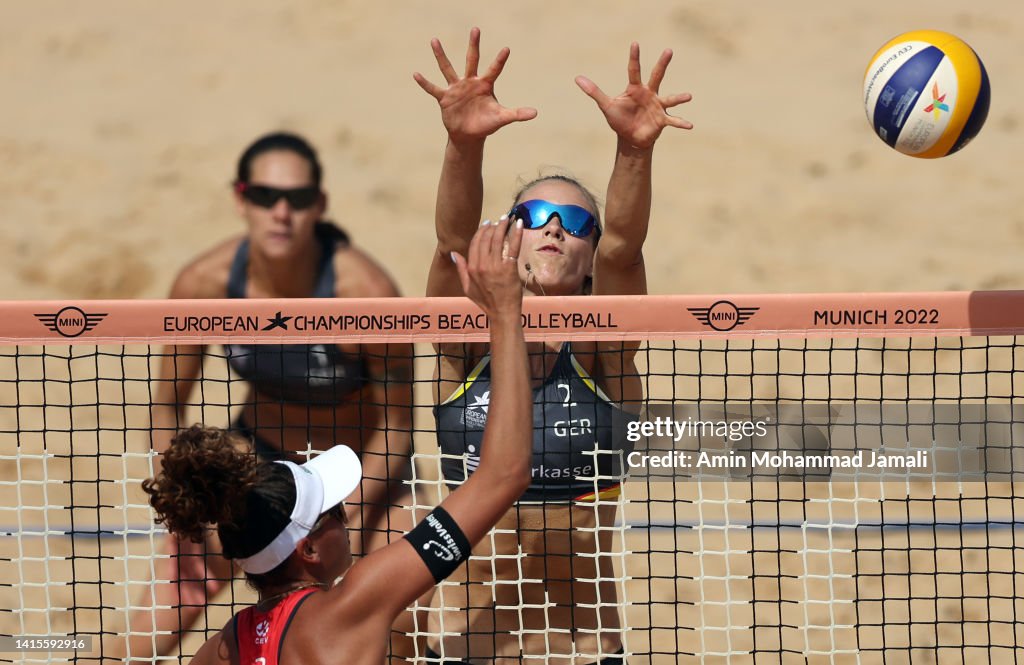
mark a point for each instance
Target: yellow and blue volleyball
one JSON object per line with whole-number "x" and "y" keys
{"x": 926, "y": 93}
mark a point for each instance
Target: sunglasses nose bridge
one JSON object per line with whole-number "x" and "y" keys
{"x": 554, "y": 225}
{"x": 281, "y": 207}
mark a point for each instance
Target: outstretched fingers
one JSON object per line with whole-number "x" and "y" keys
{"x": 658, "y": 73}
{"x": 496, "y": 67}
{"x": 473, "y": 52}
{"x": 676, "y": 100}
{"x": 520, "y": 114}
{"x": 443, "y": 63}
{"x": 633, "y": 69}
{"x": 431, "y": 89}
{"x": 679, "y": 123}
{"x": 593, "y": 91}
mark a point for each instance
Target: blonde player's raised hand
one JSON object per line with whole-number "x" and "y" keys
{"x": 640, "y": 113}
{"x": 490, "y": 275}
{"x": 469, "y": 109}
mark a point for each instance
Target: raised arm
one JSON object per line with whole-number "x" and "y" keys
{"x": 637, "y": 116}
{"x": 470, "y": 113}
{"x": 491, "y": 279}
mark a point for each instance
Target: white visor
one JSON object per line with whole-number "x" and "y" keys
{"x": 320, "y": 484}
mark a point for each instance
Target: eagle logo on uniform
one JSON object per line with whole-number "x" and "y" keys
{"x": 482, "y": 403}
{"x": 475, "y": 413}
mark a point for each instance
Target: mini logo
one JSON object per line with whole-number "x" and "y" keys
{"x": 71, "y": 321}
{"x": 438, "y": 550}
{"x": 723, "y": 315}
{"x": 262, "y": 628}
{"x": 937, "y": 105}
{"x": 277, "y": 322}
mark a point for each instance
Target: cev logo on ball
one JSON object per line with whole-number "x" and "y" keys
{"x": 937, "y": 105}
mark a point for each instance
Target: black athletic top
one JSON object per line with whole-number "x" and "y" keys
{"x": 579, "y": 442}
{"x": 300, "y": 373}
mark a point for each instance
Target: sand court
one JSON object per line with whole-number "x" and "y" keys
{"x": 122, "y": 125}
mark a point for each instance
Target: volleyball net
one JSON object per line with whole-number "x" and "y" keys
{"x": 823, "y": 477}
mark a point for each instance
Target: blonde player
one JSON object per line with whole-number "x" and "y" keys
{"x": 559, "y": 599}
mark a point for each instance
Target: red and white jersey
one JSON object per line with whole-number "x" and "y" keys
{"x": 260, "y": 634}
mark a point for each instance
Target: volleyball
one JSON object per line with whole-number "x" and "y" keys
{"x": 926, "y": 93}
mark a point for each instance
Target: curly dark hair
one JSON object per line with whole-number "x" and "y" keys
{"x": 208, "y": 477}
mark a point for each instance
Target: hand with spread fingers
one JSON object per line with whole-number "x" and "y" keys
{"x": 640, "y": 113}
{"x": 490, "y": 276}
{"x": 469, "y": 109}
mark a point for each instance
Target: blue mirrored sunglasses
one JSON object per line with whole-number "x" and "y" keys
{"x": 576, "y": 221}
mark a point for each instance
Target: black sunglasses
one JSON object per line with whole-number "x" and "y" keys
{"x": 263, "y": 196}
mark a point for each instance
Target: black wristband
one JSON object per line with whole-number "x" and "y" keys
{"x": 440, "y": 543}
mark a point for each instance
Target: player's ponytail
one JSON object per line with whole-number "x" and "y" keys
{"x": 209, "y": 478}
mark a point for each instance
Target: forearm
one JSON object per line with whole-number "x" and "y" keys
{"x": 628, "y": 207}
{"x": 460, "y": 194}
{"x": 506, "y": 447}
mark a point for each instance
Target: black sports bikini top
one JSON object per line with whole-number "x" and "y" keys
{"x": 317, "y": 374}
{"x": 579, "y": 442}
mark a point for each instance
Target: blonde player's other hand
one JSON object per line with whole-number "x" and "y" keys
{"x": 490, "y": 275}
{"x": 640, "y": 113}
{"x": 469, "y": 109}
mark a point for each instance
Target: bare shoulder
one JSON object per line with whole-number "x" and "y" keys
{"x": 359, "y": 275}
{"x": 218, "y": 649}
{"x": 206, "y": 276}
{"x": 331, "y": 623}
